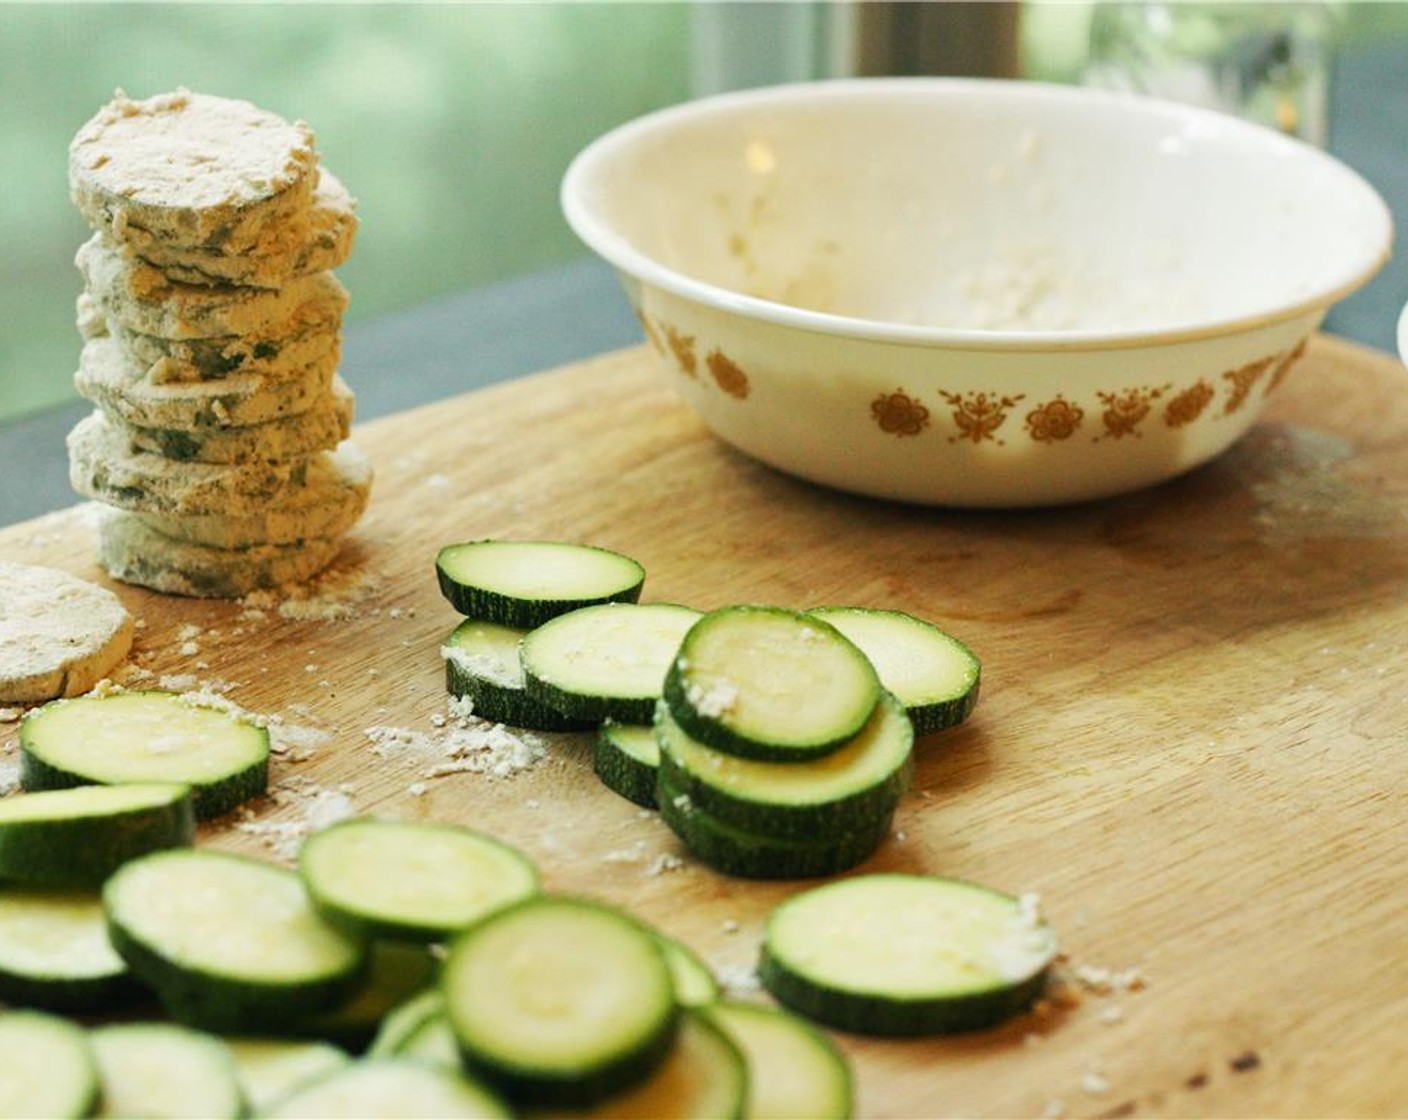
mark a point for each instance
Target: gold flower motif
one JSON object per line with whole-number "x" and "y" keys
{"x": 1125, "y": 410}
{"x": 1188, "y": 405}
{"x": 682, "y": 347}
{"x": 652, "y": 335}
{"x": 1055, "y": 420}
{"x": 1243, "y": 380}
{"x": 979, "y": 415}
{"x": 1284, "y": 365}
{"x": 730, "y": 378}
{"x": 899, "y": 414}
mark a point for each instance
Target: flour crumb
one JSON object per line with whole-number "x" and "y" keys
{"x": 9, "y": 777}
{"x": 731, "y": 925}
{"x": 738, "y": 979}
{"x": 178, "y": 682}
{"x": 417, "y": 789}
{"x": 664, "y": 863}
{"x": 465, "y": 744}
{"x": 1094, "y": 1083}
{"x": 313, "y": 808}
{"x": 11, "y": 715}
{"x": 1054, "y": 1109}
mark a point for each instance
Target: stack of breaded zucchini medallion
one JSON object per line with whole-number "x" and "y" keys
{"x": 212, "y": 334}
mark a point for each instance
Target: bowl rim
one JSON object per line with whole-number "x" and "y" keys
{"x": 620, "y": 253}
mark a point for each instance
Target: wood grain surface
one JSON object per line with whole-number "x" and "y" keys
{"x": 1192, "y": 740}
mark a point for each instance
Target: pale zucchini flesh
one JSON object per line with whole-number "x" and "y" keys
{"x": 934, "y": 675}
{"x": 269, "y": 1069}
{"x": 229, "y": 943}
{"x": 157, "y": 1070}
{"x": 906, "y": 954}
{"x": 47, "y": 1068}
{"x": 796, "y": 1071}
{"x": 483, "y": 666}
{"x": 411, "y": 880}
{"x": 525, "y": 583}
{"x": 151, "y": 736}
{"x": 771, "y": 684}
{"x": 626, "y": 757}
{"x": 704, "y": 1077}
{"x": 391, "y": 1087}
{"x": 605, "y": 662}
{"x": 560, "y": 1002}
{"x": 55, "y": 952}
{"x": 840, "y": 791}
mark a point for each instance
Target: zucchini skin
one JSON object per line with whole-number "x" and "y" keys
{"x": 71, "y": 994}
{"x": 209, "y": 800}
{"x": 804, "y": 821}
{"x": 524, "y": 614}
{"x": 505, "y": 704}
{"x": 753, "y": 855}
{"x": 716, "y": 731}
{"x": 622, "y": 772}
{"x": 864, "y": 1013}
{"x": 84, "y": 851}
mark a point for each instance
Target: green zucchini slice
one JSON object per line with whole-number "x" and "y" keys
{"x": 560, "y": 1002}
{"x": 525, "y": 583}
{"x": 897, "y": 954}
{"x": 704, "y": 1077}
{"x": 391, "y": 1087}
{"x": 125, "y": 737}
{"x": 797, "y": 1071}
{"x": 626, "y": 758}
{"x": 411, "y": 881}
{"x": 403, "y": 1020}
{"x": 55, "y": 952}
{"x": 695, "y": 983}
{"x": 78, "y": 837}
{"x": 396, "y": 970}
{"x": 934, "y": 675}
{"x": 229, "y": 943}
{"x": 269, "y": 1069}
{"x": 758, "y": 855}
{"x": 162, "y": 1069}
{"x": 47, "y": 1067}
{"x": 605, "y": 662}
{"x": 482, "y": 664}
{"x": 770, "y": 684}
{"x": 845, "y": 790}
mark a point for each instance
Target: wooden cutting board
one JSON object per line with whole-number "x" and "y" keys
{"x": 1192, "y": 741}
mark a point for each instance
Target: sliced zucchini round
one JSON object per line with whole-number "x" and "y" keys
{"x": 162, "y": 1069}
{"x": 843, "y": 791}
{"x": 411, "y": 881}
{"x": 55, "y": 953}
{"x": 758, "y": 855}
{"x": 704, "y": 1077}
{"x": 560, "y": 1002}
{"x": 153, "y": 736}
{"x": 227, "y": 942}
{"x": 269, "y": 1069}
{"x": 482, "y": 664}
{"x": 78, "y": 837}
{"x": 525, "y": 583}
{"x": 391, "y": 1087}
{"x": 403, "y": 1020}
{"x": 897, "y": 954}
{"x": 626, "y": 758}
{"x": 770, "y": 684}
{"x": 47, "y": 1067}
{"x": 695, "y": 983}
{"x": 798, "y": 1071}
{"x": 605, "y": 662}
{"x": 934, "y": 675}
{"x": 396, "y": 971}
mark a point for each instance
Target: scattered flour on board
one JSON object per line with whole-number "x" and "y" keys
{"x": 331, "y": 597}
{"x": 465, "y": 744}
{"x": 300, "y": 809}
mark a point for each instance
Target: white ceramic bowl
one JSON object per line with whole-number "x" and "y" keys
{"x": 971, "y": 292}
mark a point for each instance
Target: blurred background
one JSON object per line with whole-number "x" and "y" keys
{"x": 453, "y": 123}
